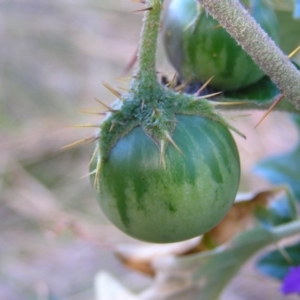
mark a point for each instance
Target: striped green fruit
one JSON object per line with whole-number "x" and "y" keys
{"x": 199, "y": 48}
{"x": 186, "y": 198}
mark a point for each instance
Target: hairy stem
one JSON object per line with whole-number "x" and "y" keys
{"x": 244, "y": 29}
{"x": 146, "y": 73}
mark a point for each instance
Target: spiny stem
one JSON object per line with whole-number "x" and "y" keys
{"x": 146, "y": 73}
{"x": 244, "y": 29}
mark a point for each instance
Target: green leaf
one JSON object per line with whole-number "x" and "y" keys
{"x": 283, "y": 169}
{"x": 289, "y": 33}
{"x": 206, "y": 273}
{"x": 277, "y": 263}
{"x": 262, "y": 91}
{"x": 259, "y": 95}
{"x": 222, "y": 267}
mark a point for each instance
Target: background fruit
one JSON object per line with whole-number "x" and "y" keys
{"x": 187, "y": 198}
{"x": 203, "y": 49}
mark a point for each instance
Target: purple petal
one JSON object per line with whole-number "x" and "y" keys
{"x": 291, "y": 282}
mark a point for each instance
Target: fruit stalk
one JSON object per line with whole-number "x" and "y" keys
{"x": 244, "y": 29}
{"x": 146, "y": 72}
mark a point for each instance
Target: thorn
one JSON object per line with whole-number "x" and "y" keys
{"x": 143, "y": 9}
{"x": 204, "y": 86}
{"x": 102, "y": 113}
{"x": 112, "y": 90}
{"x": 216, "y": 103}
{"x": 89, "y": 174}
{"x": 139, "y": 1}
{"x": 124, "y": 79}
{"x": 285, "y": 254}
{"x": 209, "y": 96}
{"x": 131, "y": 62}
{"x": 294, "y": 52}
{"x": 236, "y": 131}
{"x": 83, "y": 141}
{"x": 85, "y": 126}
{"x": 195, "y": 20}
{"x": 172, "y": 83}
{"x": 113, "y": 124}
{"x": 181, "y": 87}
{"x": 94, "y": 154}
{"x": 239, "y": 116}
{"x": 172, "y": 142}
{"x": 191, "y": 25}
{"x": 162, "y": 154}
{"x": 106, "y": 106}
{"x": 102, "y": 103}
{"x": 278, "y": 99}
{"x": 97, "y": 172}
{"x": 123, "y": 88}
{"x": 217, "y": 26}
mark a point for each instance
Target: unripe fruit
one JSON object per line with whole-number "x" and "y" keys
{"x": 185, "y": 199}
{"x": 199, "y": 48}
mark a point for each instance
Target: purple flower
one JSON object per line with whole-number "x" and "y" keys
{"x": 291, "y": 282}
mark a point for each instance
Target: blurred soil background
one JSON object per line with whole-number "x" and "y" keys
{"x": 53, "y": 237}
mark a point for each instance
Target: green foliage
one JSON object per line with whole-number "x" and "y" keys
{"x": 277, "y": 263}
{"x": 205, "y": 274}
{"x": 259, "y": 95}
{"x": 221, "y": 266}
{"x": 289, "y": 32}
{"x": 283, "y": 169}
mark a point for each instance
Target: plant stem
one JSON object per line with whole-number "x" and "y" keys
{"x": 146, "y": 72}
{"x": 244, "y": 29}
{"x": 287, "y": 230}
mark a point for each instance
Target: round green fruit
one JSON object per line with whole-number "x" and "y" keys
{"x": 199, "y": 48}
{"x": 182, "y": 200}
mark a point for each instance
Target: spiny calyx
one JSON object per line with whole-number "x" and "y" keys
{"x": 154, "y": 108}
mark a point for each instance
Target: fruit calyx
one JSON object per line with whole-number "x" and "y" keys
{"x": 155, "y": 111}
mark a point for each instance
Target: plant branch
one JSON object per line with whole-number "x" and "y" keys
{"x": 245, "y": 30}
